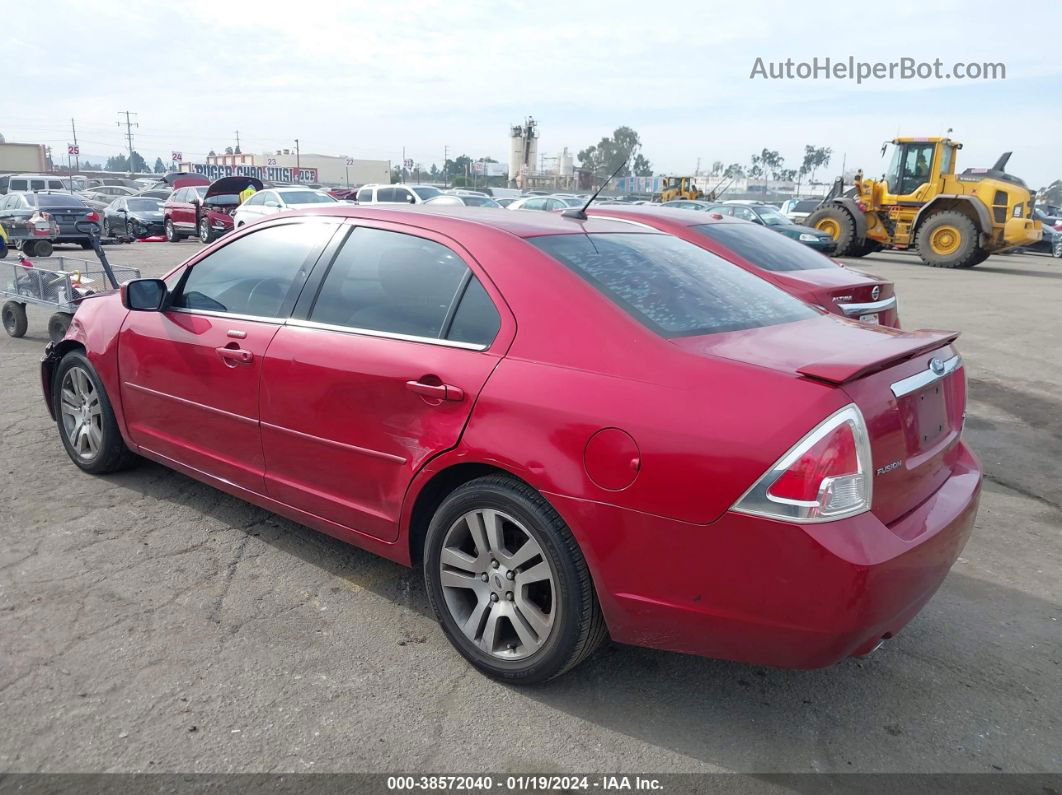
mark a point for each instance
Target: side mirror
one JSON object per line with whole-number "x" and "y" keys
{"x": 411, "y": 200}
{"x": 123, "y": 210}
{"x": 144, "y": 295}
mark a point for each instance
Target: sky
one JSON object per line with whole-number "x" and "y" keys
{"x": 367, "y": 79}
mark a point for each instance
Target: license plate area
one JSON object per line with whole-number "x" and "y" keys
{"x": 930, "y": 411}
{"x": 871, "y": 318}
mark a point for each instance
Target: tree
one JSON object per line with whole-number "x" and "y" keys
{"x": 815, "y": 157}
{"x": 717, "y": 168}
{"x": 160, "y": 167}
{"x": 787, "y": 175}
{"x": 734, "y": 171}
{"x": 87, "y": 166}
{"x": 228, "y": 150}
{"x": 1052, "y": 194}
{"x": 606, "y": 156}
{"x": 396, "y": 174}
{"x": 117, "y": 163}
{"x": 434, "y": 172}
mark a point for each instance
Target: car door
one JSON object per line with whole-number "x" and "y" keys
{"x": 116, "y": 219}
{"x": 376, "y": 373}
{"x": 190, "y": 373}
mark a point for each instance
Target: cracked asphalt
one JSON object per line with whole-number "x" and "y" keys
{"x": 150, "y": 623}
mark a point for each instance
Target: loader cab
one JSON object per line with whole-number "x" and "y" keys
{"x": 916, "y": 162}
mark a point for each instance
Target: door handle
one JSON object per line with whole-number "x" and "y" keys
{"x": 235, "y": 356}
{"x": 435, "y": 391}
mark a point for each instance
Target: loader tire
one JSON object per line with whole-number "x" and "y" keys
{"x": 839, "y": 224}
{"x": 948, "y": 239}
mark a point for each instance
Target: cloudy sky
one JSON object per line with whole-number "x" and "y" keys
{"x": 364, "y": 79}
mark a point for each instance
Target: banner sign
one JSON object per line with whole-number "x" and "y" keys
{"x": 264, "y": 173}
{"x": 637, "y": 184}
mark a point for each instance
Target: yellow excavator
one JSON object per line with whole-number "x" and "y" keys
{"x": 679, "y": 188}
{"x": 951, "y": 220}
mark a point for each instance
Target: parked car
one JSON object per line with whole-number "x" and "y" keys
{"x": 162, "y": 193}
{"x": 106, "y": 193}
{"x": 134, "y": 217}
{"x": 505, "y": 201}
{"x": 64, "y": 208}
{"x": 768, "y": 215}
{"x": 689, "y": 204}
{"x": 547, "y": 203}
{"x": 343, "y": 194}
{"x": 462, "y": 200}
{"x": 710, "y": 466}
{"x": 799, "y": 270}
{"x": 798, "y": 210}
{"x": 275, "y": 200}
{"x": 205, "y": 210}
{"x": 396, "y": 194}
{"x": 29, "y": 183}
{"x": 1051, "y": 242}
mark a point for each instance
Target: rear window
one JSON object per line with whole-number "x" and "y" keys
{"x": 673, "y": 287}
{"x": 766, "y": 248}
{"x": 806, "y": 206}
{"x": 307, "y": 197}
{"x": 56, "y": 200}
{"x": 426, "y": 192}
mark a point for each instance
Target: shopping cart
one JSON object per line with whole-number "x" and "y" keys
{"x": 22, "y": 283}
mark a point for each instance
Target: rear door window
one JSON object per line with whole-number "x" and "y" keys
{"x": 391, "y": 282}
{"x": 258, "y": 274}
{"x": 673, "y": 287}
{"x": 364, "y": 195}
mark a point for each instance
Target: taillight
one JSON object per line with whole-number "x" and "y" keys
{"x": 92, "y": 216}
{"x": 825, "y": 476}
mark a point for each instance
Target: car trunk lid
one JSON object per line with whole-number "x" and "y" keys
{"x": 909, "y": 386}
{"x": 847, "y": 292}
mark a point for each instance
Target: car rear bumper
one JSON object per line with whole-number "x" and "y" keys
{"x": 767, "y": 592}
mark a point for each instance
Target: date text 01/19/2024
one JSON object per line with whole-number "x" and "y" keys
{"x": 525, "y": 783}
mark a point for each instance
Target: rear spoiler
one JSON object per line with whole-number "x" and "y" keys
{"x": 886, "y": 350}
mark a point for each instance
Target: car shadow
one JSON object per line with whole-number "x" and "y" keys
{"x": 1022, "y": 271}
{"x": 885, "y": 712}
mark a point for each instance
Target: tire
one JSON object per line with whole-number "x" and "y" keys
{"x": 14, "y": 317}
{"x": 948, "y": 239}
{"x": 96, "y": 452}
{"x": 43, "y": 248}
{"x": 29, "y": 248}
{"x": 57, "y": 326}
{"x": 982, "y": 255}
{"x": 171, "y": 233}
{"x": 839, "y": 224}
{"x": 565, "y": 607}
{"x": 206, "y": 234}
{"x": 1057, "y": 250}
{"x": 868, "y": 247}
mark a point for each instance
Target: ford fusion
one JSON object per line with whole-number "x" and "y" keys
{"x": 578, "y": 429}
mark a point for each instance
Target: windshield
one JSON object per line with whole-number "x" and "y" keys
{"x": 772, "y": 217}
{"x": 307, "y": 197}
{"x": 480, "y": 201}
{"x": 145, "y": 205}
{"x": 54, "y": 200}
{"x": 764, "y": 248}
{"x": 426, "y": 191}
{"x": 673, "y": 287}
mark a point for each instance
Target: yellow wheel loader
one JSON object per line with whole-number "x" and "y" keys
{"x": 951, "y": 220}
{"x": 679, "y": 188}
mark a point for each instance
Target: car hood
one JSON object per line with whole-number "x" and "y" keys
{"x": 147, "y": 215}
{"x": 220, "y": 187}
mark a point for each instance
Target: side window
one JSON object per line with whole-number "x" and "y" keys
{"x": 55, "y": 184}
{"x": 744, "y": 213}
{"x": 364, "y": 195}
{"x": 37, "y": 184}
{"x": 386, "y": 194}
{"x": 723, "y": 210}
{"x": 258, "y": 274}
{"x": 179, "y": 195}
{"x": 535, "y": 204}
{"x": 258, "y": 198}
{"x": 389, "y": 281}
{"x": 404, "y": 195}
{"x": 18, "y": 184}
{"x": 476, "y": 319}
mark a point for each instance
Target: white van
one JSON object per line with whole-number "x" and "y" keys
{"x": 31, "y": 183}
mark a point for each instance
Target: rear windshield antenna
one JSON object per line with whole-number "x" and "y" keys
{"x": 581, "y": 213}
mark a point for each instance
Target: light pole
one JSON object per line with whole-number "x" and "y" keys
{"x": 298, "y": 162}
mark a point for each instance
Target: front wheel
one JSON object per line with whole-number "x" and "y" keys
{"x": 508, "y": 582}
{"x": 948, "y": 239}
{"x": 87, "y": 426}
{"x": 171, "y": 233}
{"x": 1057, "y": 250}
{"x": 206, "y": 234}
{"x": 14, "y": 317}
{"x": 839, "y": 224}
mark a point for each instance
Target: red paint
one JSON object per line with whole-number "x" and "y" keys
{"x": 642, "y": 444}
{"x": 825, "y": 287}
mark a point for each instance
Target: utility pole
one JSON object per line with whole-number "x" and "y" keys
{"x": 298, "y": 161}
{"x": 237, "y": 150}
{"x": 402, "y": 171}
{"x": 446, "y": 156}
{"x": 129, "y": 125}
{"x": 77, "y": 157}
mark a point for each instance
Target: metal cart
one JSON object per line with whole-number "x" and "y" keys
{"x": 22, "y": 282}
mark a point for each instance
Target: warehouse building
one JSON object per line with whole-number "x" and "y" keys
{"x": 331, "y": 170}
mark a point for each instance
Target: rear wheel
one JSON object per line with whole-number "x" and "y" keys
{"x": 58, "y": 324}
{"x": 1057, "y": 251}
{"x": 29, "y": 248}
{"x": 14, "y": 317}
{"x": 87, "y": 426}
{"x": 508, "y": 583}
{"x": 839, "y": 224}
{"x": 949, "y": 239}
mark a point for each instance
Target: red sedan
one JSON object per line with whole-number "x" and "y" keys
{"x": 577, "y": 428}
{"x": 797, "y": 269}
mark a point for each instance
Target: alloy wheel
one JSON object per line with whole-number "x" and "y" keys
{"x": 82, "y": 413}
{"x": 498, "y": 585}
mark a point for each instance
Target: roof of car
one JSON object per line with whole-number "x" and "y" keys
{"x": 451, "y": 218}
{"x": 647, "y": 213}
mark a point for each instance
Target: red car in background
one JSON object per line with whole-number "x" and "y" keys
{"x": 797, "y": 269}
{"x": 577, "y": 428}
{"x": 205, "y": 210}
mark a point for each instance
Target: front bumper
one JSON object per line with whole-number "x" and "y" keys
{"x": 767, "y": 592}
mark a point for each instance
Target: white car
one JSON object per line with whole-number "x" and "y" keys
{"x": 547, "y": 203}
{"x": 396, "y": 194}
{"x": 275, "y": 200}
